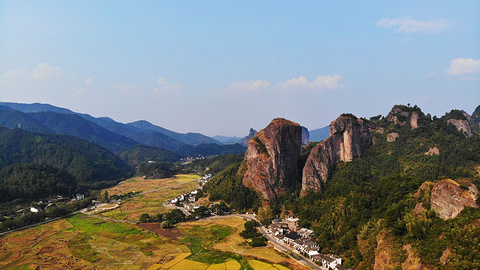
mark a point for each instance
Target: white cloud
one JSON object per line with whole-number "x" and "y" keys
{"x": 164, "y": 86}
{"x": 329, "y": 82}
{"x": 44, "y": 71}
{"x": 407, "y": 25}
{"x": 249, "y": 85}
{"x": 321, "y": 82}
{"x": 464, "y": 66}
{"x": 88, "y": 81}
{"x": 294, "y": 83}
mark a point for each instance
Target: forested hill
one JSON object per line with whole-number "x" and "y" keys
{"x": 393, "y": 208}
{"x": 87, "y": 162}
{"x": 64, "y": 124}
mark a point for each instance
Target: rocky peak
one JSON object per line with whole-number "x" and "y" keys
{"x": 272, "y": 158}
{"x": 475, "y": 119}
{"x": 349, "y": 137}
{"x": 247, "y": 138}
{"x": 461, "y": 120}
{"x": 405, "y": 114}
{"x": 448, "y": 198}
{"x": 305, "y": 136}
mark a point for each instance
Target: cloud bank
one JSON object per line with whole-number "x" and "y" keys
{"x": 321, "y": 82}
{"x": 464, "y": 66}
{"x": 407, "y": 25}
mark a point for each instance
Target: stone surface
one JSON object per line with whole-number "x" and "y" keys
{"x": 402, "y": 115}
{"x": 448, "y": 199}
{"x": 272, "y": 158}
{"x": 392, "y": 136}
{"x": 414, "y": 120}
{"x": 462, "y": 125}
{"x": 305, "y": 136}
{"x": 433, "y": 151}
{"x": 349, "y": 137}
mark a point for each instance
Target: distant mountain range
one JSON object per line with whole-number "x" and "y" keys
{"x": 115, "y": 136}
{"x": 320, "y": 134}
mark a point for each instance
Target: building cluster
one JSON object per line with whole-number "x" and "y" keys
{"x": 187, "y": 198}
{"x": 301, "y": 241}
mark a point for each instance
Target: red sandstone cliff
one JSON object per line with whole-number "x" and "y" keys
{"x": 349, "y": 137}
{"x": 272, "y": 158}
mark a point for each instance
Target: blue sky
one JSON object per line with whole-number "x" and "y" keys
{"x": 221, "y": 67}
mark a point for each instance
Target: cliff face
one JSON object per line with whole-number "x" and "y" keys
{"x": 349, "y": 137}
{"x": 448, "y": 199}
{"x": 305, "y": 136}
{"x": 272, "y": 158}
{"x": 462, "y": 125}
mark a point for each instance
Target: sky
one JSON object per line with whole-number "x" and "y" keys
{"x": 223, "y": 67}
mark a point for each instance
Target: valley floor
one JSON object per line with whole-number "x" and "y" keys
{"x": 100, "y": 242}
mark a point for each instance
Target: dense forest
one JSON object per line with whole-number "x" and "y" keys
{"x": 367, "y": 207}
{"x": 87, "y": 162}
{"x": 34, "y": 181}
{"x": 141, "y": 154}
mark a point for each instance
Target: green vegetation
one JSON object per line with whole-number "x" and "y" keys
{"x": 34, "y": 181}
{"x": 214, "y": 164}
{"x": 261, "y": 145}
{"x": 375, "y": 193}
{"x": 201, "y": 241}
{"x": 140, "y": 155}
{"x": 65, "y": 124}
{"x": 228, "y": 186}
{"x": 87, "y": 162}
{"x": 155, "y": 170}
{"x": 252, "y": 233}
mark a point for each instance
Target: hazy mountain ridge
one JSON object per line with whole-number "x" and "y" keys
{"x": 126, "y": 135}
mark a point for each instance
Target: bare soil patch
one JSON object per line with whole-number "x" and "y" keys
{"x": 173, "y": 233}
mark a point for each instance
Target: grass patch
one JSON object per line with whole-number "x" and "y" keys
{"x": 80, "y": 248}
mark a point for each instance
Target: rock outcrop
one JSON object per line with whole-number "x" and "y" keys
{"x": 272, "y": 158}
{"x": 247, "y": 138}
{"x": 305, "y": 136}
{"x": 392, "y": 136}
{"x": 405, "y": 114}
{"x": 448, "y": 198}
{"x": 433, "y": 151}
{"x": 475, "y": 119}
{"x": 461, "y": 125}
{"x": 349, "y": 137}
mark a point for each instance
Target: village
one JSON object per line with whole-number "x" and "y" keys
{"x": 301, "y": 240}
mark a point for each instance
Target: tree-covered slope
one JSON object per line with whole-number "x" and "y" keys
{"x": 376, "y": 207}
{"x": 64, "y": 124}
{"x": 188, "y": 138}
{"x": 86, "y": 161}
{"x": 140, "y": 154}
{"x": 34, "y": 181}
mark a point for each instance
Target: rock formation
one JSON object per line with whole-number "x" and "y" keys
{"x": 405, "y": 114}
{"x": 433, "y": 151}
{"x": 462, "y": 125}
{"x": 349, "y": 137}
{"x": 448, "y": 199}
{"x": 475, "y": 119}
{"x": 392, "y": 136}
{"x": 247, "y": 138}
{"x": 272, "y": 158}
{"x": 305, "y": 136}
